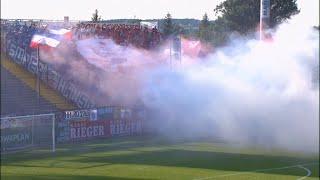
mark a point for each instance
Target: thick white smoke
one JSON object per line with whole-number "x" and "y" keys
{"x": 251, "y": 92}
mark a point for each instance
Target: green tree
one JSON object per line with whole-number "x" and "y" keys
{"x": 220, "y": 32}
{"x": 168, "y": 26}
{"x": 95, "y": 16}
{"x": 204, "y": 28}
{"x": 244, "y": 15}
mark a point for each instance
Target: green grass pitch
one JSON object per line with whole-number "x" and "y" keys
{"x": 127, "y": 158}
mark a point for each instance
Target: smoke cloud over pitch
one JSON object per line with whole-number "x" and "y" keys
{"x": 250, "y": 92}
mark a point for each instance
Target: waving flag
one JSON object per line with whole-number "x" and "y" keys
{"x": 66, "y": 33}
{"x": 52, "y": 38}
{"x": 59, "y": 31}
{"x": 43, "y": 40}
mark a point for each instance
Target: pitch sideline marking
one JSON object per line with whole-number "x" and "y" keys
{"x": 308, "y": 171}
{"x": 261, "y": 170}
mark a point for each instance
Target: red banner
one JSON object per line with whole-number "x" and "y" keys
{"x": 125, "y": 127}
{"x": 82, "y": 130}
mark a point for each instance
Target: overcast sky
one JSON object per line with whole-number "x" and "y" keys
{"x": 116, "y": 9}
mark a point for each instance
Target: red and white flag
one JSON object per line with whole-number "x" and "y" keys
{"x": 65, "y": 33}
{"x": 51, "y": 39}
{"x": 43, "y": 40}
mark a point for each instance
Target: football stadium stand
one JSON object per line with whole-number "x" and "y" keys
{"x": 19, "y": 96}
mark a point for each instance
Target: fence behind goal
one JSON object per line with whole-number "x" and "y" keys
{"x": 27, "y": 132}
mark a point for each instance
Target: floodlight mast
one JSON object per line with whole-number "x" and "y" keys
{"x": 264, "y": 17}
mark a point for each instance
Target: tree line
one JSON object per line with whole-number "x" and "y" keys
{"x": 233, "y": 16}
{"x": 236, "y": 16}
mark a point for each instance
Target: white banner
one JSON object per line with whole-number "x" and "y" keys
{"x": 149, "y": 24}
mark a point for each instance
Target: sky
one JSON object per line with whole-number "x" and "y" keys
{"x": 117, "y": 9}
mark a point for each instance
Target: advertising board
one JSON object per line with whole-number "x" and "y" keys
{"x": 86, "y": 129}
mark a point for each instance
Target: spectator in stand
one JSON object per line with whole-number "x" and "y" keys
{"x": 122, "y": 34}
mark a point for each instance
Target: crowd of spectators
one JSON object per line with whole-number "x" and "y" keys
{"x": 123, "y": 34}
{"x": 22, "y": 34}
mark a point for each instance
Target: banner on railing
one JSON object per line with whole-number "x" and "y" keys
{"x": 83, "y": 125}
{"x": 27, "y": 58}
{"x": 84, "y": 130}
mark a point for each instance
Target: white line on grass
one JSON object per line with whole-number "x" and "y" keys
{"x": 308, "y": 171}
{"x": 259, "y": 170}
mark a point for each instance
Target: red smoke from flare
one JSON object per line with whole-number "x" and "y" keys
{"x": 194, "y": 48}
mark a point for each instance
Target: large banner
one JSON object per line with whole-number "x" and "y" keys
{"x": 84, "y": 130}
{"x": 27, "y": 58}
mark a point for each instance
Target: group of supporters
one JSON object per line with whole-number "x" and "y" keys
{"x": 22, "y": 34}
{"x": 123, "y": 34}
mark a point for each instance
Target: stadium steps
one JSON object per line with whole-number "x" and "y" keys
{"x": 30, "y": 80}
{"x": 18, "y": 99}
